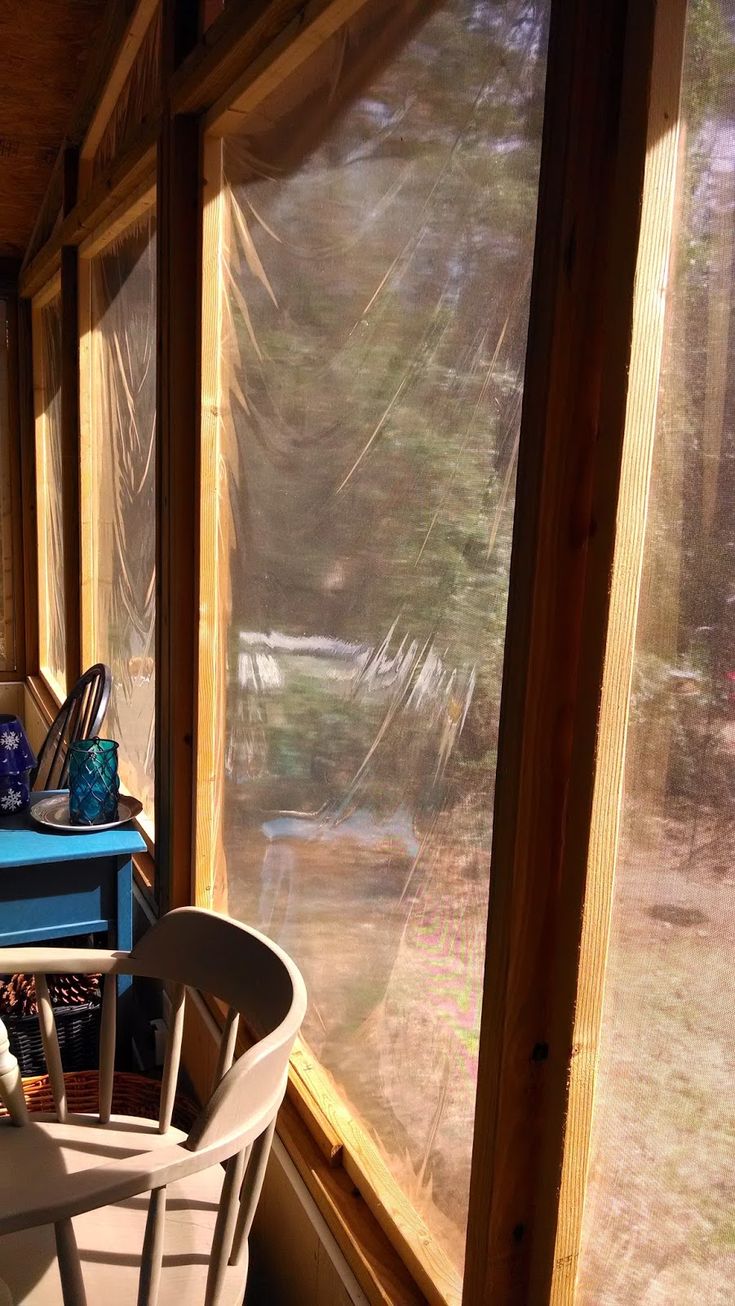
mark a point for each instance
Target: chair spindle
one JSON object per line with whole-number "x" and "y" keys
{"x": 151, "y": 1259}
{"x": 173, "y": 1057}
{"x": 250, "y": 1195}
{"x": 224, "y": 1229}
{"x": 70, "y": 1270}
{"x": 51, "y": 1045}
{"x": 228, "y": 1039}
{"x": 108, "y": 1035}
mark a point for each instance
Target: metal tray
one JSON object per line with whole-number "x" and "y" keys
{"x": 52, "y": 813}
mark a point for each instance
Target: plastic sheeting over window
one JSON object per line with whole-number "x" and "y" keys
{"x": 659, "y": 1221}
{"x": 119, "y": 609}
{"x": 377, "y": 230}
{"x": 7, "y": 588}
{"x": 47, "y": 388}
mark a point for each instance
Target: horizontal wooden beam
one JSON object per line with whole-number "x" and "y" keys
{"x": 130, "y": 39}
{"x": 118, "y": 18}
{"x": 119, "y": 182}
{"x": 314, "y": 24}
{"x": 240, "y": 34}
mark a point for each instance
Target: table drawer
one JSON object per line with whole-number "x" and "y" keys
{"x": 44, "y": 902}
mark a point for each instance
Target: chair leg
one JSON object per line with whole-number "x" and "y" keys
{"x": 72, "y": 1284}
{"x": 152, "y": 1257}
{"x": 224, "y": 1228}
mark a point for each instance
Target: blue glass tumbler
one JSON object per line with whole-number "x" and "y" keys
{"x": 94, "y": 785}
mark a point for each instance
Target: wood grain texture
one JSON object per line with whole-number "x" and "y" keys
{"x": 88, "y": 553}
{"x": 235, "y": 38}
{"x": 573, "y": 420}
{"x": 45, "y": 49}
{"x": 214, "y": 596}
{"x": 315, "y": 1270}
{"x": 439, "y": 1280}
{"x": 104, "y": 198}
{"x": 179, "y": 254}
{"x": 314, "y": 24}
{"x": 130, "y": 41}
{"x": 70, "y": 460}
{"x": 649, "y": 311}
{"x": 378, "y": 1269}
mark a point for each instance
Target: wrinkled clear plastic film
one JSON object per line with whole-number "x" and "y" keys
{"x": 378, "y": 233}
{"x": 659, "y": 1221}
{"x": 138, "y": 100}
{"x": 123, "y": 391}
{"x": 7, "y": 588}
{"x": 51, "y": 600}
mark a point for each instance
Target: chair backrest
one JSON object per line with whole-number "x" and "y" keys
{"x": 191, "y": 948}
{"x": 80, "y": 717}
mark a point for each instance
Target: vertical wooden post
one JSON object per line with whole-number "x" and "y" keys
{"x": 177, "y": 454}
{"x": 651, "y": 280}
{"x": 70, "y": 458}
{"x": 594, "y": 149}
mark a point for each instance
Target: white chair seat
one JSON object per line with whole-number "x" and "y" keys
{"x": 110, "y": 1239}
{"x": 74, "y": 1206}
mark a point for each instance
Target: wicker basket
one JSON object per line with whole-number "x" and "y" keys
{"x": 132, "y": 1095}
{"x": 78, "y": 1030}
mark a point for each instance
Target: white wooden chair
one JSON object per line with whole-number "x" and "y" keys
{"x": 114, "y": 1209}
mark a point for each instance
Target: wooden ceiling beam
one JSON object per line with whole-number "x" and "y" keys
{"x": 240, "y": 34}
{"x": 119, "y": 65}
{"x": 122, "y": 179}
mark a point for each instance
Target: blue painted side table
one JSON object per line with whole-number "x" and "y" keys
{"x": 58, "y": 885}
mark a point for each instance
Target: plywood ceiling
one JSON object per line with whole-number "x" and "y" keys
{"x": 44, "y": 48}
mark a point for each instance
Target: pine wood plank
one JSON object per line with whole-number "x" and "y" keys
{"x": 177, "y": 466}
{"x": 70, "y": 456}
{"x": 651, "y": 281}
{"x": 439, "y": 1280}
{"x": 214, "y": 597}
{"x": 314, "y": 24}
{"x": 573, "y": 419}
{"x": 114, "y": 185}
{"x": 130, "y": 42}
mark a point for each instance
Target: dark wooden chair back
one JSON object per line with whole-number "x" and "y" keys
{"x": 80, "y": 717}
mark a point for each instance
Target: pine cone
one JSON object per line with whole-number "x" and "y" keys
{"x": 18, "y": 993}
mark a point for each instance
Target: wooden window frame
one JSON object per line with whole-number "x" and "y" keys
{"x": 130, "y": 41}
{"x": 581, "y": 475}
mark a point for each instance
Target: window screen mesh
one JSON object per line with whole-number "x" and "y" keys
{"x": 376, "y": 248}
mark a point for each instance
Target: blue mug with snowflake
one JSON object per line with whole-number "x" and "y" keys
{"x": 17, "y": 760}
